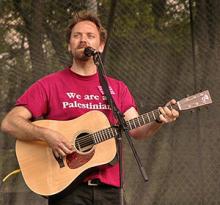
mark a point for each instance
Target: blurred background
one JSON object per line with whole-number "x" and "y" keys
{"x": 162, "y": 49}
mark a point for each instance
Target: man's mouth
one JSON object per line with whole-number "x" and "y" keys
{"x": 82, "y": 46}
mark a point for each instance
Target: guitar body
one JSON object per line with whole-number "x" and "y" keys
{"x": 46, "y": 175}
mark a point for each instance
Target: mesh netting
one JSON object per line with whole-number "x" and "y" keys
{"x": 161, "y": 49}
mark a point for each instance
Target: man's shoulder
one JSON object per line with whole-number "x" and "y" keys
{"x": 55, "y": 75}
{"x": 116, "y": 81}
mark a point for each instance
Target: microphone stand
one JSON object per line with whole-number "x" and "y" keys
{"x": 122, "y": 125}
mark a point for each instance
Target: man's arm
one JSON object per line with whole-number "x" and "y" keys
{"x": 17, "y": 124}
{"x": 150, "y": 129}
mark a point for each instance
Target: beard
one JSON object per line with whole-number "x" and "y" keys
{"x": 79, "y": 52}
{"x": 80, "y": 56}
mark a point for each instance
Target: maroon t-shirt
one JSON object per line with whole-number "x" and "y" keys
{"x": 65, "y": 95}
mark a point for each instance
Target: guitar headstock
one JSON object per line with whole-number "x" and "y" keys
{"x": 197, "y": 100}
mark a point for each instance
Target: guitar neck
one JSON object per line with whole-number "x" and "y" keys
{"x": 143, "y": 119}
{"x": 146, "y": 118}
{"x": 197, "y": 100}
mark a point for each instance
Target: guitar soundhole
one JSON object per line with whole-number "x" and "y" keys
{"x": 84, "y": 142}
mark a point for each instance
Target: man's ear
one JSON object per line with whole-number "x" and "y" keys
{"x": 69, "y": 49}
{"x": 101, "y": 47}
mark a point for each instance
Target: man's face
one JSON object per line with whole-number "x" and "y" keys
{"x": 84, "y": 34}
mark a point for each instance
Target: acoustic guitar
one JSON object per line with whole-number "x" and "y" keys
{"x": 93, "y": 141}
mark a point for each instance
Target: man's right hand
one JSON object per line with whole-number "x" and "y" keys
{"x": 59, "y": 144}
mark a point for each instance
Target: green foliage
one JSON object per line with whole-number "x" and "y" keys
{"x": 33, "y": 42}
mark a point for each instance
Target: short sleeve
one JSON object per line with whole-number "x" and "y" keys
{"x": 127, "y": 100}
{"x": 35, "y": 100}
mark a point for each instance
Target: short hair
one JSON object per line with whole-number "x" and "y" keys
{"x": 86, "y": 16}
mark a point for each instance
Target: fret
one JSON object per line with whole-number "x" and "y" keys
{"x": 158, "y": 113}
{"x": 97, "y": 137}
{"x": 94, "y": 138}
{"x": 143, "y": 119}
{"x": 105, "y": 135}
{"x": 135, "y": 121}
{"x": 153, "y": 115}
{"x": 139, "y": 121}
{"x": 101, "y": 134}
{"x": 108, "y": 133}
{"x": 148, "y": 117}
{"x": 114, "y": 131}
{"x": 129, "y": 123}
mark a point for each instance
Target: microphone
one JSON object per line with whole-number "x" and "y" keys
{"x": 89, "y": 51}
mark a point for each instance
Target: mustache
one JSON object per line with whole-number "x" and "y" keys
{"x": 82, "y": 45}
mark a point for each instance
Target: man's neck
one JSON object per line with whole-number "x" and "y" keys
{"x": 84, "y": 68}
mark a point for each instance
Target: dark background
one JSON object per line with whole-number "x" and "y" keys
{"x": 161, "y": 49}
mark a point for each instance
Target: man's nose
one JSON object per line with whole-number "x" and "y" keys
{"x": 84, "y": 38}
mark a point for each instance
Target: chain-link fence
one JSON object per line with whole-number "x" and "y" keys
{"x": 161, "y": 49}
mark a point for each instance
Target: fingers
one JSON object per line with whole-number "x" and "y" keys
{"x": 168, "y": 115}
{"x": 59, "y": 144}
{"x": 59, "y": 153}
{"x": 62, "y": 151}
{"x": 175, "y": 113}
{"x": 64, "y": 148}
{"x": 171, "y": 102}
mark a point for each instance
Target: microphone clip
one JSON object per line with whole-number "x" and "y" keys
{"x": 89, "y": 51}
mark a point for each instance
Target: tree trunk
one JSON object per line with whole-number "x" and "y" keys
{"x": 92, "y": 5}
{"x": 34, "y": 31}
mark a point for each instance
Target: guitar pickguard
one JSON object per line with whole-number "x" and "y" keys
{"x": 76, "y": 160}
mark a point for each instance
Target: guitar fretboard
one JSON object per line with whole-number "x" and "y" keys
{"x": 104, "y": 135}
{"x": 143, "y": 119}
{"x": 108, "y": 133}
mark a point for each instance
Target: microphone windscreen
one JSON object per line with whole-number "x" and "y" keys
{"x": 89, "y": 51}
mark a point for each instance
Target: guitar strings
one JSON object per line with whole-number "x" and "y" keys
{"x": 100, "y": 136}
{"x": 88, "y": 140}
{"x": 97, "y": 137}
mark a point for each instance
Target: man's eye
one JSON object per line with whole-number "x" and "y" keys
{"x": 76, "y": 35}
{"x": 91, "y": 36}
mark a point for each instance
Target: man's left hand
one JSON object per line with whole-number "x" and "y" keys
{"x": 168, "y": 115}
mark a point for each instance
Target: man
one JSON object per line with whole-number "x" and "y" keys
{"x": 70, "y": 93}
